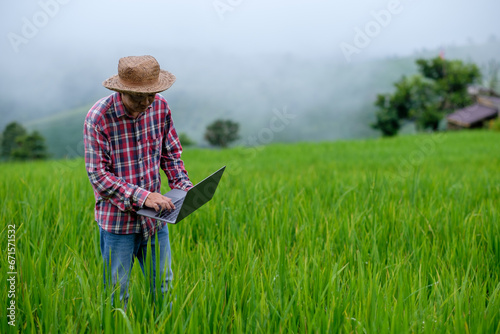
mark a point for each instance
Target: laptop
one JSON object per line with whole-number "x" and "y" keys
{"x": 186, "y": 202}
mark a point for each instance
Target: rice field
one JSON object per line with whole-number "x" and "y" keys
{"x": 373, "y": 236}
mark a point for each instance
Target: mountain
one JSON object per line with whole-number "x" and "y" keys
{"x": 324, "y": 99}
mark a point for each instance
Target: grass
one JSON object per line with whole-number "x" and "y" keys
{"x": 393, "y": 236}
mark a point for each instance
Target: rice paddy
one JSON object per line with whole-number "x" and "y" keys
{"x": 376, "y": 236}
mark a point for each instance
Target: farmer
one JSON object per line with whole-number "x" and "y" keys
{"x": 128, "y": 137}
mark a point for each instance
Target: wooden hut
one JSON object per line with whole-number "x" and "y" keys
{"x": 475, "y": 116}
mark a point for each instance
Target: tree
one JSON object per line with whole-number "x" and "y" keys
{"x": 222, "y": 132}
{"x": 30, "y": 147}
{"x": 9, "y": 143}
{"x": 387, "y": 118}
{"x": 185, "y": 139}
{"x": 387, "y": 122}
{"x": 425, "y": 98}
{"x": 492, "y": 76}
{"x": 18, "y": 144}
{"x": 451, "y": 79}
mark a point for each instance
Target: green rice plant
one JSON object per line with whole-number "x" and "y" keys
{"x": 494, "y": 124}
{"x": 397, "y": 235}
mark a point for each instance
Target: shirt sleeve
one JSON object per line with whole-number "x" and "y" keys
{"x": 171, "y": 161}
{"x": 106, "y": 185}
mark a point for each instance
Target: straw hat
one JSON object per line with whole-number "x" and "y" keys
{"x": 139, "y": 74}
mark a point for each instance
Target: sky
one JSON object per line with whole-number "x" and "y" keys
{"x": 307, "y": 28}
{"x": 43, "y": 42}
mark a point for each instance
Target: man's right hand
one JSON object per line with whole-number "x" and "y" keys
{"x": 159, "y": 202}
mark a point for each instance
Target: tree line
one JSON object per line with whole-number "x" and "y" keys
{"x": 18, "y": 144}
{"x": 439, "y": 88}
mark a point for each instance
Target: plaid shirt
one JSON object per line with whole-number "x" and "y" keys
{"x": 123, "y": 156}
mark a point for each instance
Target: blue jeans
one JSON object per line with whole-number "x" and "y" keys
{"x": 119, "y": 251}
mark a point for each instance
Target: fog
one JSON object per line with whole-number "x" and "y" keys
{"x": 244, "y": 27}
{"x": 319, "y": 60}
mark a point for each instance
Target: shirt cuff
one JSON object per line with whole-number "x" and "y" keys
{"x": 186, "y": 186}
{"x": 140, "y": 196}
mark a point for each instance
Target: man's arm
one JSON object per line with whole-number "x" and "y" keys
{"x": 123, "y": 195}
{"x": 170, "y": 161}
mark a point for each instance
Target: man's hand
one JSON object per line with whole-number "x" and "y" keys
{"x": 159, "y": 202}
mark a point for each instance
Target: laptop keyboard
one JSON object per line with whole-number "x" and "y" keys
{"x": 166, "y": 214}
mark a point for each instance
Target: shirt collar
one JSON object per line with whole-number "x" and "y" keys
{"x": 118, "y": 104}
{"x": 120, "y": 107}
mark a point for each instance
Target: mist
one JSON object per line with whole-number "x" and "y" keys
{"x": 322, "y": 62}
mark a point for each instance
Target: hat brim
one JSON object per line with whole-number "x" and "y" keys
{"x": 165, "y": 81}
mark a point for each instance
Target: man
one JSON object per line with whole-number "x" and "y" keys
{"x": 128, "y": 137}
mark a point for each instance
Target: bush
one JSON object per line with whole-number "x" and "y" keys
{"x": 222, "y": 132}
{"x": 186, "y": 140}
{"x": 494, "y": 124}
{"x": 18, "y": 144}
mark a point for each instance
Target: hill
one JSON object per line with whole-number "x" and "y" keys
{"x": 327, "y": 99}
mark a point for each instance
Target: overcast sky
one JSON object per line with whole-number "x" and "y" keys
{"x": 307, "y": 28}
{"x": 55, "y": 53}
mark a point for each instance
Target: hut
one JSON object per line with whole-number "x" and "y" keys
{"x": 475, "y": 116}
{"x": 472, "y": 117}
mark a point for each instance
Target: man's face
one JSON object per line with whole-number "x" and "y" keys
{"x": 137, "y": 103}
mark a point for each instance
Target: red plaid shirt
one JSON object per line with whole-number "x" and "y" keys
{"x": 123, "y": 156}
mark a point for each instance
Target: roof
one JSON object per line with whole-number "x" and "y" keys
{"x": 480, "y": 90}
{"x": 472, "y": 114}
{"x": 489, "y": 101}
